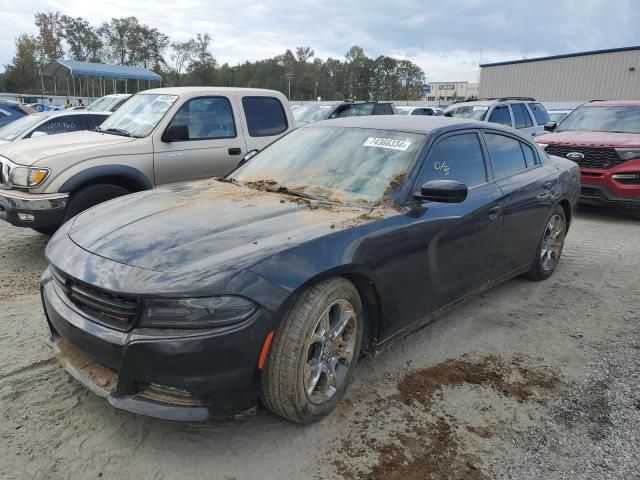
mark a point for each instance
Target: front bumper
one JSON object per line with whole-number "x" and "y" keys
{"x": 602, "y": 187}
{"x": 24, "y": 209}
{"x": 183, "y": 375}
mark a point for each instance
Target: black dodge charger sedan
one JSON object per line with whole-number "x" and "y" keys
{"x": 194, "y": 301}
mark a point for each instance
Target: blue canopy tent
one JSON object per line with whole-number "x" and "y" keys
{"x": 70, "y": 69}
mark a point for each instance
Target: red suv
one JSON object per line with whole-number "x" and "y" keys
{"x": 603, "y": 137}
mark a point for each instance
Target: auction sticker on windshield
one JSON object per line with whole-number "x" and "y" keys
{"x": 401, "y": 145}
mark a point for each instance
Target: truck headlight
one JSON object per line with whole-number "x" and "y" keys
{"x": 628, "y": 153}
{"x": 196, "y": 312}
{"x": 28, "y": 177}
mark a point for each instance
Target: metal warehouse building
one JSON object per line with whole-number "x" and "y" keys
{"x": 612, "y": 74}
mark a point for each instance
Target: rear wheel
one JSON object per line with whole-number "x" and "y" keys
{"x": 551, "y": 245}
{"x": 314, "y": 352}
{"x": 91, "y": 196}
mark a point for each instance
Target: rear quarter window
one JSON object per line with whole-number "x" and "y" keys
{"x": 265, "y": 116}
{"x": 540, "y": 113}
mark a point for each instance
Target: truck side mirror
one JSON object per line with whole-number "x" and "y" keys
{"x": 176, "y": 133}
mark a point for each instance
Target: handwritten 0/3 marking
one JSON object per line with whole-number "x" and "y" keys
{"x": 441, "y": 167}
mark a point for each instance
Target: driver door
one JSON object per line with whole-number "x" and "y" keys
{"x": 214, "y": 147}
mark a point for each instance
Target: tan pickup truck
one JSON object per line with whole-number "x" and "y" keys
{"x": 158, "y": 136}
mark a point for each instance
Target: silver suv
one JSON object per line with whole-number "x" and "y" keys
{"x": 522, "y": 113}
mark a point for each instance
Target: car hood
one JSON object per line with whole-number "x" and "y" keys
{"x": 591, "y": 139}
{"x": 203, "y": 226}
{"x": 28, "y": 153}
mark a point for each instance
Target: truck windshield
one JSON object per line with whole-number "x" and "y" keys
{"x": 592, "y": 118}
{"x": 139, "y": 115}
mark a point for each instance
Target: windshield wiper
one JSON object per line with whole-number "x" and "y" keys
{"x": 114, "y": 131}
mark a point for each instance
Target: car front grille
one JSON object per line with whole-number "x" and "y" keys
{"x": 117, "y": 311}
{"x": 594, "y": 157}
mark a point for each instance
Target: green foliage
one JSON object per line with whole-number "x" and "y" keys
{"x": 126, "y": 41}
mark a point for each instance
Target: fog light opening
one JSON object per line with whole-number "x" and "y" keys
{"x": 26, "y": 217}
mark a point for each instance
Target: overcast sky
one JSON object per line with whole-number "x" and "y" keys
{"x": 444, "y": 37}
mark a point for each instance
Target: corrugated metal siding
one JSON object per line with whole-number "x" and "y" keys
{"x": 602, "y": 76}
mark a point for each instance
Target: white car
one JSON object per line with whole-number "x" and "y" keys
{"x": 51, "y": 123}
{"x": 416, "y": 110}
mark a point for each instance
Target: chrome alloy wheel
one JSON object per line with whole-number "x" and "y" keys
{"x": 330, "y": 350}
{"x": 552, "y": 243}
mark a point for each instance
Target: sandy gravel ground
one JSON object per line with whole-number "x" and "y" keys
{"x": 529, "y": 381}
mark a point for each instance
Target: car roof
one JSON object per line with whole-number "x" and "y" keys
{"x": 187, "y": 90}
{"x": 411, "y": 124}
{"x": 613, "y": 103}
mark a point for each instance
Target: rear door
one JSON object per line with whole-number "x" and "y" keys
{"x": 215, "y": 145}
{"x": 501, "y": 114}
{"x": 264, "y": 119}
{"x": 522, "y": 119}
{"x": 527, "y": 197}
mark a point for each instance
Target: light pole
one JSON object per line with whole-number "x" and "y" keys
{"x": 289, "y": 77}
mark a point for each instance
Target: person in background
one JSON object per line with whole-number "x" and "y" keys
{"x": 67, "y": 104}
{"x": 80, "y": 103}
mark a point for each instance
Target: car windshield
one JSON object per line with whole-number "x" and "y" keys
{"x": 139, "y": 115}
{"x": 311, "y": 113}
{"x": 473, "y": 112}
{"x": 18, "y": 127}
{"x": 102, "y": 104}
{"x": 342, "y": 165}
{"x": 621, "y": 119}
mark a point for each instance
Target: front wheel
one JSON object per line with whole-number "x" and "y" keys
{"x": 91, "y": 196}
{"x": 551, "y": 245}
{"x": 314, "y": 352}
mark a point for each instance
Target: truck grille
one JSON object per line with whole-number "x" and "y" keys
{"x": 117, "y": 311}
{"x": 594, "y": 157}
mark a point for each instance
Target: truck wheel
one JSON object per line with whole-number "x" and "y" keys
{"x": 314, "y": 352}
{"x": 91, "y": 196}
{"x": 551, "y": 245}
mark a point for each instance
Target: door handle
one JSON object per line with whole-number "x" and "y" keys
{"x": 235, "y": 151}
{"x": 494, "y": 212}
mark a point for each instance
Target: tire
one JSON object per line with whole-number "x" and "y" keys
{"x": 297, "y": 381}
{"x": 91, "y": 196}
{"x": 45, "y": 230}
{"x": 550, "y": 248}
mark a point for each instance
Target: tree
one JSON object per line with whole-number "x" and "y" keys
{"x": 50, "y": 33}
{"x": 203, "y": 64}
{"x": 304, "y": 53}
{"x": 182, "y": 55}
{"x": 22, "y": 74}
{"x": 85, "y": 44}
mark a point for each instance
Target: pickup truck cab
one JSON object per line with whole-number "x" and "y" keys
{"x": 158, "y": 136}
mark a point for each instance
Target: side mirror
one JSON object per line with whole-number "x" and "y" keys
{"x": 39, "y": 134}
{"x": 444, "y": 191}
{"x": 248, "y": 156}
{"x": 176, "y": 133}
{"x": 550, "y": 126}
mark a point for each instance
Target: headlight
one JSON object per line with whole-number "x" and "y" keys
{"x": 196, "y": 312}
{"x": 28, "y": 176}
{"x": 628, "y": 153}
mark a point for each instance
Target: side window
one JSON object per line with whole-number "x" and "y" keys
{"x": 506, "y": 154}
{"x": 356, "y": 110}
{"x": 66, "y": 123}
{"x": 265, "y": 116}
{"x": 501, "y": 115}
{"x": 529, "y": 156}
{"x": 94, "y": 121}
{"x": 540, "y": 113}
{"x": 382, "y": 109}
{"x": 458, "y": 157}
{"x": 207, "y": 118}
{"x": 521, "y": 116}
{"x": 427, "y": 111}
